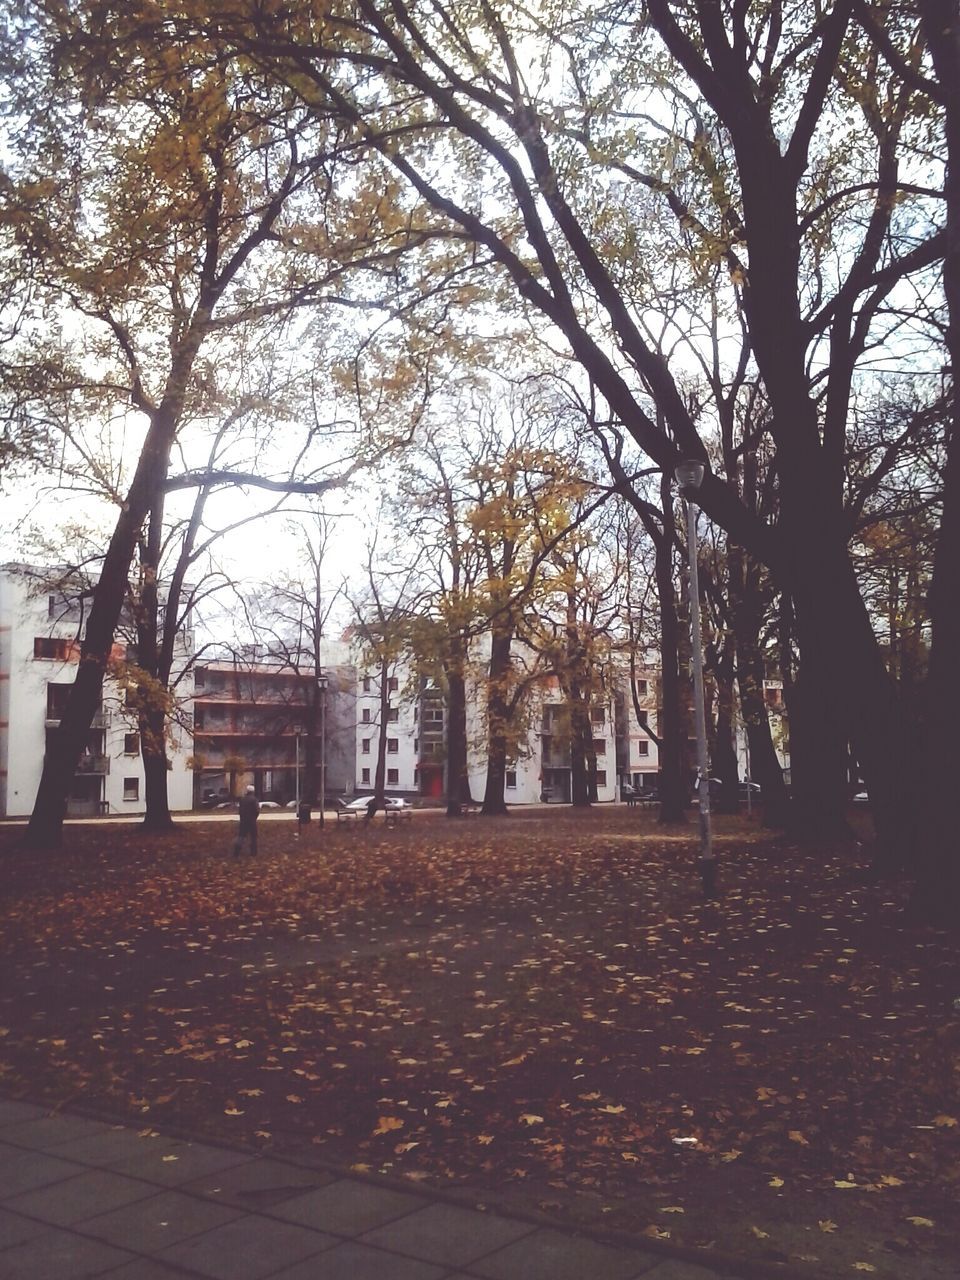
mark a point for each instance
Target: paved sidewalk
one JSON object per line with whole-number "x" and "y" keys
{"x": 83, "y": 1198}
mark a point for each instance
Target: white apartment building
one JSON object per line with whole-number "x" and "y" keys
{"x": 39, "y": 650}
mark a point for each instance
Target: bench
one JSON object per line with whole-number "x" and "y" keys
{"x": 392, "y": 817}
{"x": 471, "y": 809}
{"x": 345, "y": 812}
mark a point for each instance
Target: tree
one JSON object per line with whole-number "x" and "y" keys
{"x": 153, "y": 200}
{"x": 741, "y": 153}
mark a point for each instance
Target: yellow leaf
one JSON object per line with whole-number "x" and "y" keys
{"x": 528, "y": 1119}
{"x": 484, "y": 1139}
{"x": 826, "y": 1225}
{"x": 921, "y": 1222}
{"x": 729, "y": 1156}
{"x": 775, "y": 1182}
{"x": 796, "y": 1136}
{"x": 232, "y": 1111}
{"x": 761, "y": 1235}
{"x": 888, "y": 1180}
{"x": 844, "y": 1184}
{"x": 170, "y": 1159}
{"x": 673, "y": 1208}
{"x": 656, "y": 1233}
{"x": 386, "y": 1124}
{"x": 764, "y": 1095}
{"x": 864, "y": 1266}
{"x": 250, "y": 1093}
{"x": 294, "y": 1097}
{"x": 515, "y": 1062}
{"x": 612, "y": 1111}
{"x": 402, "y": 1147}
{"x": 945, "y": 1122}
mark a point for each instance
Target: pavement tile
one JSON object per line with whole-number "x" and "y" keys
{"x": 257, "y": 1184}
{"x": 43, "y": 1132}
{"x": 349, "y": 1208}
{"x": 111, "y": 1146}
{"x": 157, "y": 1222}
{"x": 92, "y": 1192}
{"x": 247, "y": 1249}
{"x": 675, "y": 1269}
{"x": 23, "y": 1170}
{"x": 552, "y": 1255}
{"x": 144, "y": 1269}
{"x": 14, "y": 1229}
{"x": 16, "y": 1112}
{"x": 170, "y": 1163}
{"x": 59, "y": 1255}
{"x": 447, "y": 1233}
{"x": 359, "y": 1262}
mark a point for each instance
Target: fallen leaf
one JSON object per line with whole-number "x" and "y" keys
{"x": 386, "y": 1124}
{"x": 761, "y": 1235}
{"x": 922, "y": 1222}
{"x": 945, "y": 1122}
{"x": 864, "y": 1266}
{"x": 826, "y": 1225}
{"x": 528, "y": 1119}
{"x": 796, "y": 1136}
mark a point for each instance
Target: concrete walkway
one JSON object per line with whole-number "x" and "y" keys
{"x": 82, "y": 1198}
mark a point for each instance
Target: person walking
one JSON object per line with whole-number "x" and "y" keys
{"x": 249, "y": 813}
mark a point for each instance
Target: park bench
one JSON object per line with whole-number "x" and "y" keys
{"x": 345, "y": 811}
{"x": 471, "y": 809}
{"x": 392, "y": 817}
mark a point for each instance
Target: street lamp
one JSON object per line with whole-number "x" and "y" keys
{"x": 323, "y": 682}
{"x": 689, "y": 476}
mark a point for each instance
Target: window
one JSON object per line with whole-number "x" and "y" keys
{"x": 433, "y": 715}
{"x": 365, "y": 746}
{"x": 131, "y": 744}
{"x": 393, "y": 715}
{"x": 393, "y": 777}
{"x": 601, "y": 776}
{"x": 365, "y": 776}
{"x": 393, "y": 746}
{"x": 643, "y": 718}
{"x": 366, "y": 684}
{"x": 393, "y": 684}
{"x": 53, "y": 647}
{"x": 57, "y": 695}
{"x": 131, "y": 788}
{"x": 642, "y": 688}
{"x": 598, "y": 715}
{"x": 365, "y": 715}
{"x": 199, "y": 677}
{"x": 600, "y": 746}
{"x": 643, "y": 748}
{"x": 416, "y": 745}
{"x": 511, "y": 779}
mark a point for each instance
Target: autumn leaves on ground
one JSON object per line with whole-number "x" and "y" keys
{"x": 540, "y": 1011}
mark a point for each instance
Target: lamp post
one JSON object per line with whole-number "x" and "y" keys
{"x": 323, "y": 682}
{"x": 689, "y": 475}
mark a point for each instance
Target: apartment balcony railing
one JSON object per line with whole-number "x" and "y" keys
{"x": 94, "y": 764}
{"x": 102, "y": 720}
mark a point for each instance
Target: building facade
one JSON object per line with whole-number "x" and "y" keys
{"x": 40, "y": 631}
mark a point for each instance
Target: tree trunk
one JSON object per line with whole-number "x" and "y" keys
{"x": 498, "y": 717}
{"x": 724, "y": 751}
{"x": 937, "y": 892}
{"x": 458, "y": 777}
{"x": 67, "y": 741}
{"x": 671, "y": 726}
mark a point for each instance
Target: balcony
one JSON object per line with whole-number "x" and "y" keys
{"x": 88, "y": 764}
{"x": 102, "y": 719}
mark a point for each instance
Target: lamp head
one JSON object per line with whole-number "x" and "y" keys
{"x": 322, "y": 681}
{"x": 689, "y": 476}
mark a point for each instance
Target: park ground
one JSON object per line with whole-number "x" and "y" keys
{"x": 538, "y": 1012}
